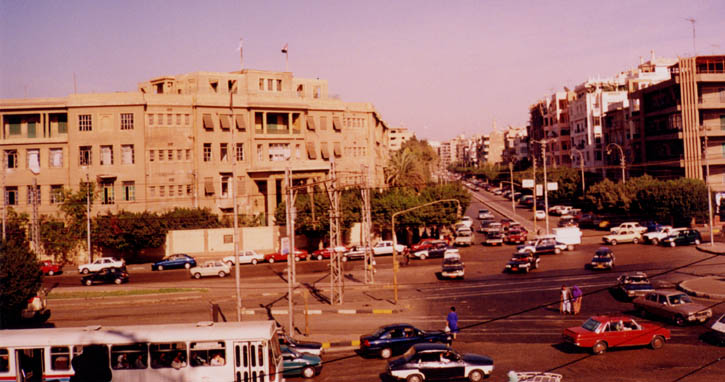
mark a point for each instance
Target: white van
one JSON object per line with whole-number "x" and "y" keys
{"x": 571, "y": 236}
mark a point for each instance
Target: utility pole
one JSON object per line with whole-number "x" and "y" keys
{"x": 511, "y": 174}
{"x": 88, "y": 217}
{"x": 581, "y": 164}
{"x": 546, "y": 188}
{"x": 536, "y": 232}
{"x": 366, "y": 228}
{"x": 709, "y": 191}
{"x": 35, "y": 226}
{"x": 622, "y": 160}
{"x": 5, "y": 197}
{"x": 692, "y": 21}
{"x": 235, "y": 236}
{"x": 336, "y": 281}
{"x": 291, "y": 283}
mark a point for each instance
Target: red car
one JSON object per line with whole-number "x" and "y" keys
{"x": 50, "y": 268}
{"x": 515, "y": 236}
{"x": 423, "y": 244}
{"x": 326, "y": 253}
{"x": 300, "y": 254}
{"x": 602, "y": 332}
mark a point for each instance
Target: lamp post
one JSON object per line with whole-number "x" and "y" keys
{"x": 581, "y": 164}
{"x": 543, "y": 143}
{"x": 707, "y": 183}
{"x": 622, "y": 162}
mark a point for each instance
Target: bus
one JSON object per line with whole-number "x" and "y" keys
{"x": 205, "y": 351}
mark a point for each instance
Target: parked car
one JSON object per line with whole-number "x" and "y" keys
{"x": 247, "y": 256}
{"x": 211, "y": 268}
{"x": 515, "y": 236}
{"x": 101, "y": 263}
{"x": 587, "y": 220}
{"x": 603, "y": 260}
{"x": 300, "y": 254}
{"x": 50, "y": 268}
{"x": 436, "y": 249}
{"x": 629, "y": 226}
{"x": 356, "y": 252}
{"x": 297, "y": 364}
{"x": 440, "y": 363}
{"x": 522, "y": 262}
{"x": 453, "y": 268}
{"x": 309, "y": 347}
{"x": 106, "y": 276}
{"x": 484, "y": 214}
{"x": 672, "y": 305}
{"x": 600, "y": 333}
{"x": 385, "y": 247}
{"x": 655, "y": 237}
{"x": 526, "y": 201}
{"x": 326, "y": 253}
{"x": 622, "y": 236}
{"x": 683, "y": 237}
{"x": 634, "y": 284}
{"x": 542, "y": 245}
{"x": 394, "y": 339}
{"x": 559, "y": 210}
{"x": 177, "y": 261}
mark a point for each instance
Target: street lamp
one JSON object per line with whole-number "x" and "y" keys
{"x": 543, "y": 143}
{"x": 707, "y": 183}
{"x": 581, "y": 163}
{"x": 622, "y": 162}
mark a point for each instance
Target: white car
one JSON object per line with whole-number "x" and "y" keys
{"x": 484, "y": 214}
{"x": 467, "y": 221}
{"x": 385, "y": 247}
{"x": 540, "y": 215}
{"x": 100, "y": 263}
{"x": 629, "y": 226}
{"x": 247, "y": 256}
{"x": 210, "y": 268}
{"x": 659, "y": 235}
{"x": 622, "y": 237}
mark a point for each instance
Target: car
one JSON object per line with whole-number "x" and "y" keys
{"x": 211, "y": 268}
{"x": 36, "y": 311}
{"x": 497, "y": 191}
{"x": 385, "y": 247}
{"x": 534, "y": 376}
{"x": 717, "y": 331}
{"x": 106, "y": 276}
{"x": 423, "y": 244}
{"x": 439, "y": 362}
{"x": 49, "y": 268}
{"x": 622, "y": 236}
{"x": 539, "y": 215}
{"x": 515, "y": 236}
{"x": 175, "y": 261}
{"x": 634, "y": 284}
{"x": 683, "y": 237}
{"x": 492, "y": 227}
{"x": 484, "y": 214}
{"x": 356, "y": 252}
{"x": 587, "y": 220}
{"x": 101, "y": 263}
{"x": 300, "y": 254}
{"x": 247, "y": 256}
{"x": 309, "y": 347}
{"x": 629, "y": 226}
{"x": 389, "y": 340}
{"x": 453, "y": 268}
{"x": 326, "y": 253}
{"x": 655, "y": 237}
{"x": 467, "y": 221}
{"x": 567, "y": 221}
{"x": 436, "y": 249}
{"x": 557, "y": 209}
{"x": 463, "y": 237}
{"x": 542, "y": 245}
{"x": 600, "y": 333}
{"x": 603, "y": 259}
{"x": 493, "y": 238}
{"x": 296, "y": 364}
{"x": 672, "y": 305}
{"x": 522, "y": 262}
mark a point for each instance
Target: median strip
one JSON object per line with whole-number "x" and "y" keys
{"x": 121, "y": 293}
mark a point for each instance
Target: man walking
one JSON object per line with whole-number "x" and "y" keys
{"x": 565, "y": 306}
{"x": 452, "y": 321}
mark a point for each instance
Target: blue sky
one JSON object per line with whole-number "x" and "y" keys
{"x": 440, "y": 68}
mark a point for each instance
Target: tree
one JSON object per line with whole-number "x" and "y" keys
{"x": 129, "y": 232}
{"x": 404, "y": 170}
{"x": 57, "y": 239}
{"x": 20, "y": 275}
{"x": 74, "y": 207}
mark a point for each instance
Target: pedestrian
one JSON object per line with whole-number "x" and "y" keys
{"x": 565, "y": 307}
{"x": 576, "y": 295}
{"x": 452, "y": 322}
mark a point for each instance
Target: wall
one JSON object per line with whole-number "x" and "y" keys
{"x": 210, "y": 242}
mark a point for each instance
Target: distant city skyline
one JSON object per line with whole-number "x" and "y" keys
{"x": 440, "y": 69}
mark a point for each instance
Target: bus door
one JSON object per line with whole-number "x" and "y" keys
{"x": 250, "y": 362}
{"x": 29, "y": 364}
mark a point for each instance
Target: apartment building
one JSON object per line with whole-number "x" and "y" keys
{"x": 490, "y": 147}
{"x": 681, "y": 122}
{"x": 398, "y": 136}
{"x": 178, "y": 141}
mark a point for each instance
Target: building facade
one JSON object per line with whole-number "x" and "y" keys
{"x": 398, "y": 136}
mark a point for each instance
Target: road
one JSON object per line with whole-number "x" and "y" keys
{"x": 512, "y": 318}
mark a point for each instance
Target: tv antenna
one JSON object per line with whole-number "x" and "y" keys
{"x": 692, "y": 21}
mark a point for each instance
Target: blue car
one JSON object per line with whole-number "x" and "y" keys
{"x": 397, "y": 339}
{"x": 177, "y": 261}
{"x": 299, "y": 364}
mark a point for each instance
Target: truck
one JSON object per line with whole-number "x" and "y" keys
{"x": 571, "y": 236}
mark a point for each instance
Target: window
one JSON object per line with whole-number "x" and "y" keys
{"x": 170, "y": 154}
{"x": 169, "y": 119}
{"x": 151, "y": 119}
{"x": 55, "y": 159}
{"x": 31, "y": 129}
{"x": 107, "y": 194}
{"x": 11, "y": 159}
{"x": 277, "y": 123}
{"x": 223, "y": 152}
{"x": 259, "y": 123}
{"x": 162, "y": 191}
{"x": 106, "y": 155}
{"x": 133, "y": 356}
{"x": 60, "y": 120}
{"x": 129, "y": 191}
{"x": 298, "y": 151}
{"x": 239, "y": 147}
{"x": 722, "y": 94}
{"x": 180, "y": 189}
{"x": 207, "y": 152}
{"x": 323, "y": 123}
{"x": 722, "y": 122}
{"x": 161, "y": 155}
{"x": 152, "y": 155}
{"x": 31, "y": 196}
{"x": 224, "y": 121}
{"x": 260, "y": 152}
{"x": 214, "y": 84}
{"x": 178, "y": 119}
{"x": 171, "y": 190}
{"x": 126, "y": 121}
{"x": 84, "y": 122}
{"x": 33, "y": 158}
{"x": 11, "y": 196}
{"x": 56, "y": 193}
{"x": 127, "y": 156}
{"x": 187, "y": 119}
{"x": 225, "y": 180}
{"x": 60, "y": 358}
{"x": 188, "y": 189}
{"x": 207, "y": 122}
{"x": 152, "y": 190}
{"x": 261, "y": 84}
{"x": 85, "y": 156}
{"x": 179, "y": 154}
{"x": 279, "y": 152}
{"x": 270, "y": 84}
{"x": 279, "y": 85}
{"x": 188, "y": 154}
{"x": 160, "y": 119}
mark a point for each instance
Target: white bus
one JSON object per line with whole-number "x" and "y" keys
{"x": 206, "y": 351}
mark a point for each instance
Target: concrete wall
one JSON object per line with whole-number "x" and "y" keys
{"x": 211, "y": 242}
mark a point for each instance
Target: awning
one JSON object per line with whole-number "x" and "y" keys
{"x": 310, "y": 123}
{"x": 336, "y": 123}
{"x": 209, "y": 186}
{"x": 323, "y": 150}
{"x": 224, "y": 121}
{"x": 208, "y": 124}
{"x": 337, "y": 149}
{"x": 106, "y": 178}
{"x": 311, "y": 151}
{"x": 241, "y": 122}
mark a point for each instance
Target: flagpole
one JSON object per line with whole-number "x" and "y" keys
{"x": 286, "y": 57}
{"x": 241, "y": 53}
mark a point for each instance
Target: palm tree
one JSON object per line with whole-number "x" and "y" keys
{"x": 403, "y": 170}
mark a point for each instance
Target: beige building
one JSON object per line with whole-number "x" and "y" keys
{"x": 174, "y": 142}
{"x": 398, "y": 136}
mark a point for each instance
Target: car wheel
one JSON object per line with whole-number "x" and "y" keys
{"x": 160, "y": 267}
{"x": 297, "y": 258}
{"x": 319, "y": 257}
{"x": 308, "y": 372}
{"x": 222, "y": 274}
{"x": 271, "y": 260}
{"x": 344, "y": 259}
{"x": 657, "y": 342}
{"x": 599, "y": 348}
{"x": 635, "y": 241}
{"x": 187, "y": 265}
{"x": 697, "y": 241}
{"x": 118, "y": 280}
{"x": 89, "y": 282}
{"x": 51, "y": 273}
{"x": 414, "y": 378}
{"x": 230, "y": 264}
{"x": 557, "y": 251}
{"x": 613, "y": 242}
{"x": 476, "y": 376}
{"x": 197, "y": 275}
{"x": 679, "y": 320}
{"x": 570, "y": 247}
{"x": 526, "y": 270}
{"x": 672, "y": 244}
{"x": 423, "y": 256}
{"x": 655, "y": 241}
{"x": 84, "y": 271}
{"x": 254, "y": 261}
{"x": 386, "y": 353}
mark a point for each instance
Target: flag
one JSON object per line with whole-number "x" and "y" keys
{"x": 284, "y": 49}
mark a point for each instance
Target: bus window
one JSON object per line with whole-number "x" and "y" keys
{"x": 4, "y": 360}
{"x": 272, "y": 364}
{"x": 208, "y": 353}
{"x": 244, "y": 355}
{"x": 134, "y": 356}
{"x": 166, "y": 355}
{"x": 60, "y": 358}
{"x": 260, "y": 348}
{"x": 253, "y": 355}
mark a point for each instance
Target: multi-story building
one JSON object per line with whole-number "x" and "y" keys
{"x": 179, "y": 140}
{"x": 398, "y": 136}
{"x": 512, "y": 139}
{"x": 681, "y": 116}
{"x": 490, "y": 147}
{"x": 549, "y": 123}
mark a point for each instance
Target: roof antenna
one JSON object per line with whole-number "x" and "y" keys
{"x": 692, "y": 21}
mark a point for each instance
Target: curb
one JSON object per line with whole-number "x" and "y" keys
{"x": 321, "y": 311}
{"x": 713, "y": 296}
{"x": 708, "y": 249}
{"x": 341, "y": 344}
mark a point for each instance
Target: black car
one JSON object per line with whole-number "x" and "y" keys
{"x": 309, "y": 347}
{"x": 397, "y": 338}
{"x": 106, "y": 276}
{"x": 436, "y": 249}
{"x": 683, "y": 237}
{"x": 634, "y": 284}
{"x": 522, "y": 262}
{"x": 440, "y": 363}
{"x": 603, "y": 259}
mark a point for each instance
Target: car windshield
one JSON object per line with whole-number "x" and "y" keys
{"x": 451, "y": 261}
{"x": 409, "y": 354}
{"x": 379, "y": 332}
{"x": 679, "y": 299}
{"x": 591, "y": 325}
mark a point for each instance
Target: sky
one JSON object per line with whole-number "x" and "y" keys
{"x": 439, "y": 68}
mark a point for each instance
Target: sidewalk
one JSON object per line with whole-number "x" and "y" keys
{"x": 710, "y": 286}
